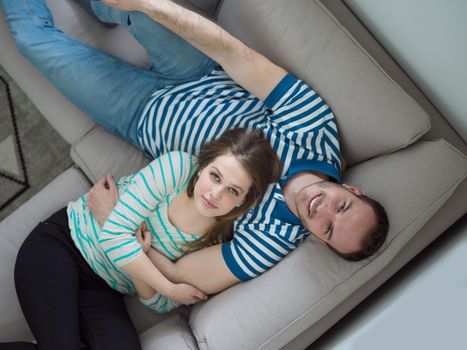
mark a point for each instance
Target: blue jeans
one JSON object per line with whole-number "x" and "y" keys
{"x": 112, "y": 91}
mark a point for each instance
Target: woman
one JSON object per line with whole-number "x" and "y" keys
{"x": 71, "y": 274}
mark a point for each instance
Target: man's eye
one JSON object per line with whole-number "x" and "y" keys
{"x": 233, "y": 191}
{"x": 342, "y": 207}
{"x": 328, "y": 230}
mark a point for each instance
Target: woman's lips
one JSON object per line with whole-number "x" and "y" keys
{"x": 208, "y": 203}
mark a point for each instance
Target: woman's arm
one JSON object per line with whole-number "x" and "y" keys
{"x": 204, "y": 269}
{"x": 145, "y": 291}
{"x": 102, "y": 198}
{"x": 137, "y": 203}
{"x": 144, "y": 238}
{"x": 146, "y": 275}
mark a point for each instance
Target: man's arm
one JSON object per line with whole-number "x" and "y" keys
{"x": 248, "y": 68}
{"x": 205, "y": 269}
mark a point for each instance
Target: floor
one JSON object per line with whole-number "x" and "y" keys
{"x": 424, "y": 306}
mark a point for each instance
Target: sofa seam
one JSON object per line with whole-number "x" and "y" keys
{"x": 182, "y": 329}
{"x": 84, "y": 167}
{"x": 218, "y": 9}
{"x": 81, "y": 177}
{"x": 199, "y": 339}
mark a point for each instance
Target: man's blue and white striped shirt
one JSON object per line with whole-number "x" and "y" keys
{"x": 297, "y": 122}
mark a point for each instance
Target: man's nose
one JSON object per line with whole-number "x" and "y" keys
{"x": 326, "y": 211}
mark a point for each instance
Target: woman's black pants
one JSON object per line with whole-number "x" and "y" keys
{"x": 64, "y": 302}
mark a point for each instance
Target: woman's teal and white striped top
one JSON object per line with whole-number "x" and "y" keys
{"x": 144, "y": 196}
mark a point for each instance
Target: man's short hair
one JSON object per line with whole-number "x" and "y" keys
{"x": 375, "y": 238}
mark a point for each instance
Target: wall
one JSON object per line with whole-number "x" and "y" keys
{"x": 429, "y": 40}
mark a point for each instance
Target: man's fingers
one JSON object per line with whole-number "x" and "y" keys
{"x": 199, "y": 295}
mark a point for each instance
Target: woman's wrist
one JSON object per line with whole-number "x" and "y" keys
{"x": 168, "y": 289}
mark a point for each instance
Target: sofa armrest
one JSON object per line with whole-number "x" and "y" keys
{"x": 14, "y": 229}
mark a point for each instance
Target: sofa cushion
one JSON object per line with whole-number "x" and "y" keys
{"x": 375, "y": 116}
{"x": 172, "y": 333}
{"x": 208, "y": 6}
{"x": 98, "y": 152}
{"x": 14, "y": 229}
{"x": 413, "y": 184}
{"x": 144, "y": 319}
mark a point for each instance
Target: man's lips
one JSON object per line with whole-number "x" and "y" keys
{"x": 208, "y": 203}
{"x": 312, "y": 203}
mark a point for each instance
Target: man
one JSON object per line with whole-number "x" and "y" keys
{"x": 192, "y": 93}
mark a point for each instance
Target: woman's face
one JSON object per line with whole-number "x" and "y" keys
{"x": 221, "y": 186}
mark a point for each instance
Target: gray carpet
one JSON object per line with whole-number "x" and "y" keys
{"x": 32, "y": 153}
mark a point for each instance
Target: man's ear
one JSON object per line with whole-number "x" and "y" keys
{"x": 355, "y": 190}
{"x": 319, "y": 239}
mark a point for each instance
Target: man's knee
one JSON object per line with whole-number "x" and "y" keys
{"x": 33, "y": 39}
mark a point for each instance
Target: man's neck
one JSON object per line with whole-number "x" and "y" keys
{"x": 296, "y": 183}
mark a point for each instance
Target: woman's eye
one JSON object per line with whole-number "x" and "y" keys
{"x": 215, "y": 177}
{"x": 328, "y": 229}
{"x": 342, "y": 207}
{"x": 233, "y": 191}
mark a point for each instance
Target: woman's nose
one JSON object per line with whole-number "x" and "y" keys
{"x": 217, "y": 192}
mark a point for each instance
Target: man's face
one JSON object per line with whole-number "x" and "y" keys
{"x": 335, "y": 214}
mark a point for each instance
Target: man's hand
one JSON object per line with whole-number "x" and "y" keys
{"x": 204, "y": 269}
{"x": 102, "y": 198}
{"x": 144, "y": 237}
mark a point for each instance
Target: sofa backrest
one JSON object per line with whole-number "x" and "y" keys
{"x": 375, "y": 116}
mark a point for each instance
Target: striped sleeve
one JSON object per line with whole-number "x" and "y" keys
{"x": 146, "y": 189}
{"x": 251, "y": 252}
{"x": 301, "y": 116}
{"x": 159, "y": 303}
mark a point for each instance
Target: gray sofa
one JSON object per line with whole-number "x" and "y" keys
{"x": 396, "y": 146}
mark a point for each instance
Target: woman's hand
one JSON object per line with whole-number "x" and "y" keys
{"x": 102, "y": 198}
{"x": 185, "y": 294}
{"x": 144, "y": 237}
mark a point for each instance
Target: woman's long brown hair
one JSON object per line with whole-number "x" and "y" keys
{"x": 255, "y": 154}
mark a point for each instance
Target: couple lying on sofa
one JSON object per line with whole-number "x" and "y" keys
{"x": 201, "y": 83}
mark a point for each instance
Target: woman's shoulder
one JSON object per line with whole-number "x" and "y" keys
{"x": 177, "y": 157}
{"x": 175, "y": 164}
